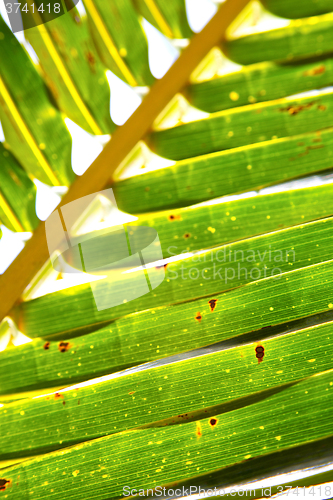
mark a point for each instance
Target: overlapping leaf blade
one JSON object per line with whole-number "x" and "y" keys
{"x": 168, "y": 17}
{"x": 262, "y": 411}
{"x": 259, "y": 83}
{"x": 269, "y": 301}
{"x": 293, "y": 9}
{"x": 301, "y": 39}
{"x": 228, "y": 172}
{"x": 243, "y": 433}
{"x": 174, "y": 393}
{"x": 33, "y": 128}
{"x": 243, "y": 126}
{"x": 17, "y": 195}
{"x": 120, "y": 40}
{"x": 48, "y": 364}
{"x": 40, "y": 316}
{"x": 72, "y": 69}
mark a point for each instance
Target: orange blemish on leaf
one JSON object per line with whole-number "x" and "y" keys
{"x": 315, "y": 71}
{"x": 90, "y": 58}
{"x": 213, "y": 421}
{"x": 58, "y": 395}
{"x": 198, "y": 430}
{"x": 130, "y": 393}
{"x": 294, "y": 110}
{"x": 46, "y": 345}
{"x": 174, "y": 217}
{"x": 198, "y": 317}
{"x": 64, "y": 346}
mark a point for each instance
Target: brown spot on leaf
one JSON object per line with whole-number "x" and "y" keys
{"x": 260, "y": 352}
{"x": 187, "y": 235}
{"x": 58, "y": 395}
{"x": 91, "y": 59}
{"x": 64, "y": 346}
{"x": 64, "y": 402}
{"x": 174, "y": 217}
{"x": 5, "y": 483}
{"x": 198, "y": 317}
{"x": 78, "y": 401}
{"x": 213, "y": 421}
{"x": 163, "y": 265}
{"x": 130, "y": 393}
{"x": 46, "y": 345}
{"x": 319, "y": 70}
{"x": 308, "y": 149}
{"x": 212, "y": 304}
{"x": 198, "y": 430}
{"x": 294, "y": 110}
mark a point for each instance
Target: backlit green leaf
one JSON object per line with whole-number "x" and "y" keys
{"x": 260, "y": 82}
{"x": 311, "y": 36}
{"x": 120, "y": 39}
{"x": 17, "y": 195}
{"x": 33, "y": 128}
{"x": 47, "y": 363}
{"x": 294, "y": 9}
{"x": 168, "y": 17}
{"x": 40, "y": 317}
{"x": 243, "y": 126}
{"x": 147, "y": 458}
{"x": 228, "y": 172}
{"x": 72, "y": 69}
